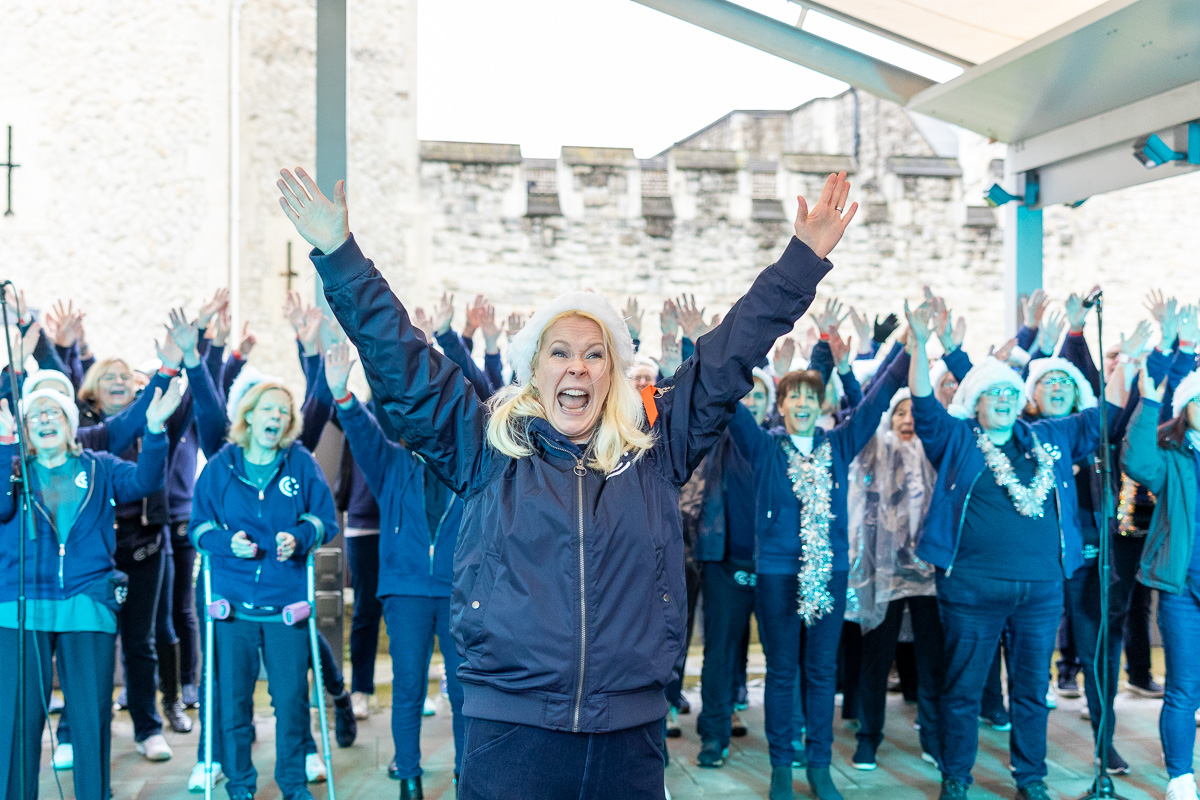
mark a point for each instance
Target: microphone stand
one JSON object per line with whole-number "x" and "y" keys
{"x": 1102, "y": 787}
{"x": 26, "y": 505}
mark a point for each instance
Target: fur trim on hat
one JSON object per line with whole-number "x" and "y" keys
{"x": 524, "y": 345}
{"x": 864, "y": 369}
{"x": 885, "y": 423}
{"x": 246, "y": 380}
{"x": 1085, "y": 398}
{"x": 58, "y": 398}
{"x": 52, "y": 376}
{"x": 762, "y": 375}
{"x": 984, "y": 375}
{"x": 1187, "y": 391}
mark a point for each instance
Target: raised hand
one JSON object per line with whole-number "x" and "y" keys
{"x": 633, "y": 318}
{"x": 337, "y": 369}
{"x": 241, "y": 546}
{"x": 1049, "y": 332}
{"x": 785, "y": 352}
{"x": 920, "y": 322}
{"x": 1138, "y": 341}
{"x": 162, "y": 406}
{"x": 831, "y": 317}
{"x": 186, "y": 335}
{"x": 293, "y": 310}
{"x": 691, "y": 319}
{"x": 862, "y": 327}
{"x": 224, "y": 327}
{"x": 1003, "y": 352}
{"x": 672, "y": 355}
{"x": 822, "y": 226}
{"x": 1033, "y": 307}
{"x": 805, "y": 346}
{"x": 16, "y": 299}
{"x": 1189, "y": 326}
{"x": 513, "y": 325}
{"x": 220, "y": 300}
{"x": 29, "y": 342}
{"x": 443, "y": 313}
{"x": 1168, "y": 322}
{"x": 840, "y": 350}
{"x": 310, "y": 330}
{"x": 1076, "y": 313}
{"x": 885, "y": 328}
{"x": 285, "y": 546}
{"x": 248, "y": 341}
{"x": 668, "y": 318}
{"x": 1151, "y": 390}
{"x": 487, "y": 324}
{"x": 323, "y": 223}
{"x": 423, "y": 323}
{"x": 1156, "y": 304}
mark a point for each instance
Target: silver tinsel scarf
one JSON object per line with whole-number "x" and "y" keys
{"x": 1029, "y": 501}
{"x": 812, "y": 483}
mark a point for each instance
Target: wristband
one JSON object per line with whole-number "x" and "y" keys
{"x": 10, "y": 439}
{"x": 1124, "y": 358}
{"x": 1186, "y": 345}
{"x": 824, "y": 337}
{"x": 1074, "y": 332}
{"x": 341, "y": 401}
{"x": 170, "y": 372}
{"x": 238, "y": 355}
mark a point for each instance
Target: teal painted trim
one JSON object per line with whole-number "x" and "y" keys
{"x": 1029, "y": 250}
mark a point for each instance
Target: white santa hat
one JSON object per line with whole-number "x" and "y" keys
{"x": 246, "y": 380}
{"x": 1187, "y": 391}
{"x": 59, "y": 399}
{"x": 769, "y": 382}
{"x": 984, "y": 376}
{"x": 1085, "y": 398}
{"x": 864, "y": 369}
{"x": 524, "y": 345}
{"x": 58, "y": 381}
{"x": 885, "y": 422}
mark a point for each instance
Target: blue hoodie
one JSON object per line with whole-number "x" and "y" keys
{"x": 57, "y": 572}
{"x": 296, "y": 500}
{"x": 568, "y": 603}
{"x": 413, "y": 560}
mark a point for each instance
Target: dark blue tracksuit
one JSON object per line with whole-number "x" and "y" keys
{"x": 418, "y": 527}
{"x": 786, "y": 638}
{"x": 84, "y": 564}
{"x": 296, "y": 500}
{"x": 567, "y": 583}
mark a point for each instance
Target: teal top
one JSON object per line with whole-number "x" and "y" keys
{"x": 60, "y": 495}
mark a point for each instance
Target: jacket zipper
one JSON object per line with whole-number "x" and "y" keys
{"x": 962, "y": 518}
{"x": 438, "y": 533}
{"x": 580, "y": 472}
{"x": 62, "y": 546}
{"x": 261, "y": 496}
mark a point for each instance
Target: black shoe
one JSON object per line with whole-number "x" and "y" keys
{"x": 1150, "y": 689}
{"x": 999, "y": 720}
{"x": 1033, "y": 791}
{"x": 176, "y": 717}
{"x": 742, "y": 701}
{"x": 781, "y": 784}
{"x": 953, "y": 789}
{"x": 393, "y": 773}
{"x": 410, "y": 789}
{"x": 736, "y": 726}
{"x": 345, "y": 726}
{"x": 820, "y": 782}
{"x": 683, "y": 705}
{"x": 712, "y": 754}
{"x": 1116, "y": 764}
{"x": 1067, "y": 686}
{"x": 864, "y": 756}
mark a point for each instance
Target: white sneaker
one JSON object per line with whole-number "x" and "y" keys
{"x": 429, "y": 708}
{"x": 155, "y": 748}
{"x": 666, "y": 792}
{"x": 64, "y": 757}
{"x": 361, "y": 703}
{"x": 1051, "y": 698}
{"x": 314, "y": 768}
{"x": 1182, "y": 788}
{"x": 196, "y": 781}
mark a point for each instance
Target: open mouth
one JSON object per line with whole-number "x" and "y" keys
{"x": 271, "y": 429}
{"x": 574, "y": 401}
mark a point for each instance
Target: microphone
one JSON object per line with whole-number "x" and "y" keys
{"x": 1094, "y": 297}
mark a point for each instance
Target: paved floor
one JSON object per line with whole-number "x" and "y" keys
{"x": 360, "y": 771}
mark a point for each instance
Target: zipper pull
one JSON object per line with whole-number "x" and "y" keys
{"x": 260, "y": 494}
{"x": 580, "y": 470}
{"x": 62, "y": 549}
{"x": 431, "y": 550}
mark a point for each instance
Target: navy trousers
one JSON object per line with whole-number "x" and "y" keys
{"x": 1083, "y": 593}
{"x": 504, "y": 760}
{"x": 975, "y": 612}
{"x": 183, "y": 603}
{"x": 85, "y": 670}
{"x": 788, "y": 642}
{"x": 728, "y": 602}
{"x": 362, "y": 553}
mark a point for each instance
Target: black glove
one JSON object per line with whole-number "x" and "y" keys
{"x": 886, "y": 328}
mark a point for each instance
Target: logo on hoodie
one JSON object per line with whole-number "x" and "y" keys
{"x": 289, "y": 486}
{"x": 81, "y": 480}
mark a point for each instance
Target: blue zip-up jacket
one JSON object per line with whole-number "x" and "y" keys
{"x": 568, "y": 603}
{"x": 950, "y": 446}
{"x": 55, "y": 572}
{"x": 296, "y": 500}
{"x": 413, "y": 560}
{"x": 777, "y": 510}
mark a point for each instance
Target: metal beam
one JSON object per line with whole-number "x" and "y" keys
{"x": 800, "y": 47}
{"x": 1022, "y": 249}
{"x": 841, "y": 16}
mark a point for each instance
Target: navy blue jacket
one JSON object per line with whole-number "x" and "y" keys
{"x": 55, "y": 573}
{"x": 568, "y": 603}
{"x": 950, "y": 446}
{"x": 777, "y": 510}
{"x": 728, "y": 491}
{"x": 296, "y": 501}
{"x": 413, "y": 560}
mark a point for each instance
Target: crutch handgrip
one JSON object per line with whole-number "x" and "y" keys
{"x": 219, "y": 609}
{"x": 295, "y": 613}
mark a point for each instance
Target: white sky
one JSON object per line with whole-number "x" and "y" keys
{"x": 607, "y": 73}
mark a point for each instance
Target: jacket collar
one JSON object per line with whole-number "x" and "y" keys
{"x": 551, "y": 442}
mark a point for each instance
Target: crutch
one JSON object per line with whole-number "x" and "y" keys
{"x": 206, "y": 576}
{"x": 292, "y": 615}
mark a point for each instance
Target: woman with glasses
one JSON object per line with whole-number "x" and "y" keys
{"x": 1002, "y": 532}
{"x": 73, "y": 585}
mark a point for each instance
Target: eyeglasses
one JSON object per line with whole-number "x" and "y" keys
{"x": 1002, "y": 393}
{"x": 1050, "y": 383}
{"x": 47, "y": 415}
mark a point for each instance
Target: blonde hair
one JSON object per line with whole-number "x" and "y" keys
{"x": 618, "y": 432}
{"x": 239, "y": 428}
{"x": 91, "y": 380}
